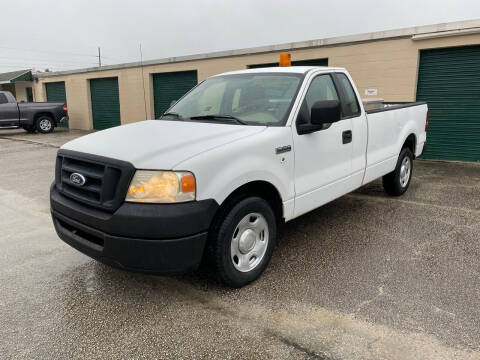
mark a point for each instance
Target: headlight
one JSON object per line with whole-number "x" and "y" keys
{"x": 161, "y": 187}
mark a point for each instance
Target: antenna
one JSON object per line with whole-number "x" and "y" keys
{"x": 99, "y": 58}
{"x": 143, "y": 81}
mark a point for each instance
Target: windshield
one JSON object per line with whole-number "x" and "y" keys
{"x": 250, "y": 99}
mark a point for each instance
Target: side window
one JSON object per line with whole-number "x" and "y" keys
{"x": 3, "y": 99}
{"x": 351, "y": 106}
{"x": 321, "y": 88}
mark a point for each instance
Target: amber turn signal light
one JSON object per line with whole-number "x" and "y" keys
{"x": 188, "y": 183}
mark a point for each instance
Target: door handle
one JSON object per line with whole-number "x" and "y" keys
{"x": 347, "y": 136}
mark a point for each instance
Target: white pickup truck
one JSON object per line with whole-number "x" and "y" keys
{"x": 215, "y": 175}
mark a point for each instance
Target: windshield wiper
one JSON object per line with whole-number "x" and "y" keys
{"x": 174, "y": 114}
{"x": 219, "y": 116}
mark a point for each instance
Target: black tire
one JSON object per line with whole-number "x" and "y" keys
{"x": 395, "y": 183}
{"x": 29, "y": 128}
{"x": 44, "y": 124}
{"x": 222, "y": 237}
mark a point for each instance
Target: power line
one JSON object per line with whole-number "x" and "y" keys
{"x": 40, "y": 65}
{"x": 46, "y": 51}
{"x": 13, "y": 66}
{"x": 27, "y": 64}
{"x": 24, "y": 67}
{"x": 44, "y": 60}
{"x": 143, "y": 81}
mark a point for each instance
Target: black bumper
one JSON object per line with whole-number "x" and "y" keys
{"x": 155, "y": 238}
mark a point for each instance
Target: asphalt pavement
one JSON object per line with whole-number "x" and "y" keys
{"x": 366, "y": 276}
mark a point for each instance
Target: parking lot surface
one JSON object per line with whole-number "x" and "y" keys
{"x": 364, "y": 277}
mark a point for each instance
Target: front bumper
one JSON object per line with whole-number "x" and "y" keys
{"x": 154, "y": 238}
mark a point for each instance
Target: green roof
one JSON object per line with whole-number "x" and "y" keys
{"x": 14, "y": 76}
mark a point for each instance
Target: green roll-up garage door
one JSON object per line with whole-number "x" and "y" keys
{"x": 105, "y": 103}
{"x": 56, "y": 93}
{"x": 311, "y": 62}
{"x": 171, "y": 86}
{"x": 449, "y": 80}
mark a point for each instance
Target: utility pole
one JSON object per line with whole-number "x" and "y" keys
{"x": 143, "y": 81}
{"x": 99, "y": 58}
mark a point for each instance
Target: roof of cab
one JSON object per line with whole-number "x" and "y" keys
{"x": 283, "y": 69}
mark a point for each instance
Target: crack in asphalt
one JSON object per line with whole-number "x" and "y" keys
{"x": 410, "y": 202}
{"x": 224, "y": 310}
{"x": 30, "y": 142}
{"x": 322, "y": 329}
{"x": 312, "y": 354}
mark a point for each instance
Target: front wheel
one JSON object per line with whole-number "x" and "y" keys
{"x": 243, "y": 241}
{"x": 45, "y": 124}
{"x": 397, "y": 182}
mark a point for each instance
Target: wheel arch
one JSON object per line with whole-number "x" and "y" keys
{"x": 410, "y": 142}
{"x": 44, "y": 113}
{"x": 260, "y": 188}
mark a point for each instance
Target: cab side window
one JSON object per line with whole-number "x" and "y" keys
{"x": 321, "y": 88}
{"x": 351, "y": 107}
{"x": 3, "y": 99}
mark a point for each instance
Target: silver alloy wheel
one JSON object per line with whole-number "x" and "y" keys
{"x": 45, "y": 124}
{"x": 405, "y": 171}
{"x": 249, "y": 242}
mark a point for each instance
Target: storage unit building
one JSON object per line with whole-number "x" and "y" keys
{"x": 310, "y": 62}
{"x": 105, "y": 103}
{"x": 449, "y": 81}
{"x": 171, "y": 86}
{"x": 55, "y": 92}
{"x": 434, "y": 63}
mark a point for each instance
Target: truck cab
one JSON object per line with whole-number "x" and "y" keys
{"x": 215, "y": 175}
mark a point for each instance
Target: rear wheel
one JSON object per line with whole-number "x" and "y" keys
{"x": 45, "y": 124}
{"x": 243, "y": 241}
{"x": 397, "y": 182}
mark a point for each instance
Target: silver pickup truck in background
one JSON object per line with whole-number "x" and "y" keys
{"x": 36, "y": 116}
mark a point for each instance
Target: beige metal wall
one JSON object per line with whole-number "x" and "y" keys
{"x": 391, "y": 66}
{"x": 21, "y": 90}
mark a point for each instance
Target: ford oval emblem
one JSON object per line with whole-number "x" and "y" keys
{"x": 77, "y": 179}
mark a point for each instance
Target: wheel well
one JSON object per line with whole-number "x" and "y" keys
{"x": 262, "y": 189}
{"x": 43, "y": 114}
{"x": 410, "y": 143}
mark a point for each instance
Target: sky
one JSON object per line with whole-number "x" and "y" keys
{"x": 65, "y": 34}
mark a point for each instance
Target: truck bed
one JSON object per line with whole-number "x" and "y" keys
{"x": 387, "y": 106}
{"x": 388, "y": 127}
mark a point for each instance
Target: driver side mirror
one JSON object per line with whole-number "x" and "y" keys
{"x": 323, "y": 113}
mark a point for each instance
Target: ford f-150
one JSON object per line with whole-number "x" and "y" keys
{"x": 220, "y": 170}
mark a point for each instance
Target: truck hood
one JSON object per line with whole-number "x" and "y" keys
{"x": 159, "y": 144}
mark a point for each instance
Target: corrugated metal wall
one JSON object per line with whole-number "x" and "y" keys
{"x": 171, "y": 86}
{"x": 105, "y": 103}
{"x": 55, "y": 92}
{"x": 449, "y": 80}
